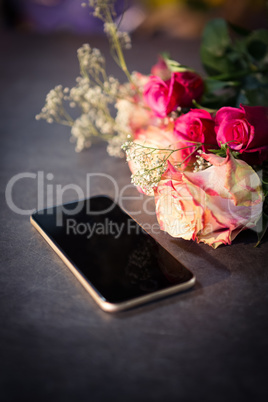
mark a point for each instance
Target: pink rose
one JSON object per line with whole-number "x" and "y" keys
{"x": 161, "y": 69}
{"x": 197, "y": 126}
{"x": 162, "y": 96}
{"x": 245, "y": 129}
{"x": 212, "y": 205}
{"x": 165, "y": 96}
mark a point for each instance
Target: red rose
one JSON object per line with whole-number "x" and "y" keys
{"x": 193, "y": 87}
{"x": 244, "y": 129}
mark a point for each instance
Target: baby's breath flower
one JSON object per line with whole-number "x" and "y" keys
{"x": 124, "y": 110}
{"x": 101, "y": 7}
{"x": 111, "y": 30}
{"x": 150, "y": 163}
{"x": 82, "y": 132}
{"x": 77, "y": 93}
{"x": 201, "y": 163}
{"x": 114, "y": 147}
{"x": 111, "y": 88}
{"x": 90, "y": 59}
{"x": 121, "y": 128}
{"x": 124, "y": 40}
{"x": 94, "y": 91}
{"x": 53, "y": 110}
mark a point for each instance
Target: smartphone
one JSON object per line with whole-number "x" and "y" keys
{"x": 116, "y": 261}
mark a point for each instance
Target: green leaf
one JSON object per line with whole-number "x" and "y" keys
{"x": 227, "y": 97}
{"x": 239, "y": 30}
{"x": 265, "y": 188}
{"x": 257, "y": 49}
{"x": 254, "y": 81}
{"x": 165, "y": 55}
{"x": 175, "y": 66}
{"x": 257, "y": 44}
{"x": 257, "y": 96}
{"x": 198, "y": 106}
{"x": 220, "y": 152}
{"x": 264, "y": 180}
{"x": 223, "y": 151}
{"x": 213, "y": 85}
{"x": 215, "y": 43}
{"x": 216, "y": 37}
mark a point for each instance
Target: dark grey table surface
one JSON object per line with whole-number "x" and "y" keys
{"x": 207, "y": 344}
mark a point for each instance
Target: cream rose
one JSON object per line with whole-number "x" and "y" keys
{"x": 210, "y": 206}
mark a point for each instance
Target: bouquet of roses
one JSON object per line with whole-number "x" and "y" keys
{"x": 198, "y": 145}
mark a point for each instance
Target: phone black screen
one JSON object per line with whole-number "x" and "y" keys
{"x": 119, "y": 259}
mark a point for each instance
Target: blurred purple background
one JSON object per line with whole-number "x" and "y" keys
{"x": 176, "y": 18}
{"x": 51, "y": 15}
